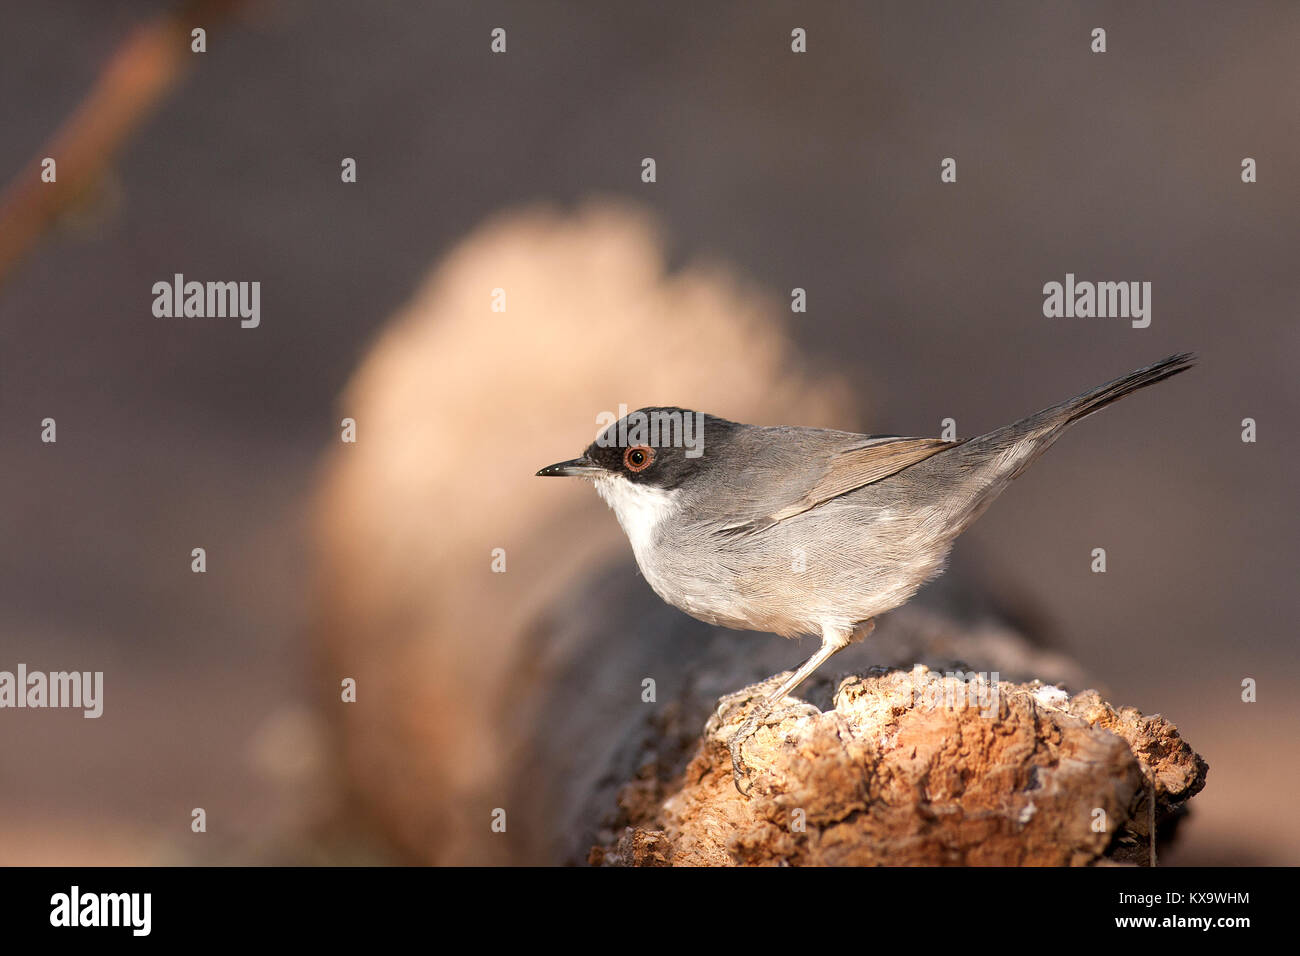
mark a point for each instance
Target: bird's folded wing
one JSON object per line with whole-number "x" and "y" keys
{"x": 848, "y": 470}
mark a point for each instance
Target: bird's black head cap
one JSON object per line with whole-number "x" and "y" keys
{"x": 662, "y": 445}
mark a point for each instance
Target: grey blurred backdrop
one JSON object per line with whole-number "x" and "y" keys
{"x": 819, "y": 171}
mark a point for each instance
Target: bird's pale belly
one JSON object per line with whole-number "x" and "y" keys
{"x": 798, "y": 579}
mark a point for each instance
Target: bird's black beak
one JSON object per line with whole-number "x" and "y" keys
{"x": 576, "y": 468}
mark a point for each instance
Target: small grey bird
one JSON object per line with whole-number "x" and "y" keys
{"x": 806, "y": 530}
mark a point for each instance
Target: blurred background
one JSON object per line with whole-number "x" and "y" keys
{"x": 522, "y": 171}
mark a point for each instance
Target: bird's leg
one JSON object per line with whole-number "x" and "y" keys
{"x": 832, "y": 641}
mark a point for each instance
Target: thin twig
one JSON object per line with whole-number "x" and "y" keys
{"x": 144, "y": 68}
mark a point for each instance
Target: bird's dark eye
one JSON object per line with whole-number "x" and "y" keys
{"x": 638, "y": 457}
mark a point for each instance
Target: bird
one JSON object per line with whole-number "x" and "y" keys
{"x": 807, "y": 531}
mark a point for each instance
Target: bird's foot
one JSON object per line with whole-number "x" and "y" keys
{"x": 746, "y": 730}
{"x": 765, "y": 709}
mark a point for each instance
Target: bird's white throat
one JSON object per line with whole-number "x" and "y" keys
{"x": 640, "y": 509}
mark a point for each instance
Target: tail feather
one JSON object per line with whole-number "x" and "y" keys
{"x": 1024, "y": 441}
{"x": 965, "y": 479}
{"x": 1102, "y": 396}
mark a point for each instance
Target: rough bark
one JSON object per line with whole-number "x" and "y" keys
{"x": 917, "y": 767}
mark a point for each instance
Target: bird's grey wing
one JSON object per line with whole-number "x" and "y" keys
{"x": 861, "y": 462}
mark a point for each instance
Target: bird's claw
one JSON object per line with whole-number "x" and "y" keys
{"x": 740, "y": 772}
{"x": 738, "y": 769}
{"x": 765, "y": 709}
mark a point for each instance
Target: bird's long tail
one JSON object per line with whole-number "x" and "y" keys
{"x": 997, "y": 458}
{"x": 1103, "y": 395}
{"x": 1034, "y": 434}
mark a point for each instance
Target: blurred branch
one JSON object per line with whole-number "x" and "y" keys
{"x": 143, "y": 69}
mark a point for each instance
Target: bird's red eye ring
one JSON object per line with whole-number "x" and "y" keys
{"x": 638, "y": 458}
